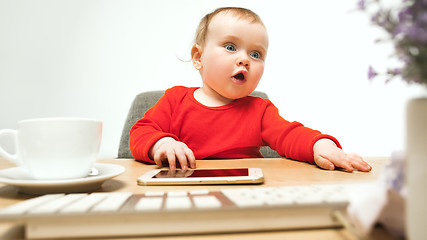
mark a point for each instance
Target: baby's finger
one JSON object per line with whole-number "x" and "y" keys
{"x": 182, "y": 158}
{"x": 171, "y": 159}
{"x": 324, "y": 163}
{"x": 190, "y": 157}
{"x": 358, "y": 163}
{"x": 158, "y": 156}
{"x": 343, "y": 162}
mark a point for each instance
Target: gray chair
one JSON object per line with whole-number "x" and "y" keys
{"x": 145, "y": 101}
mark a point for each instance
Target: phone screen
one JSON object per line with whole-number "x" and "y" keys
{"x": 193, "y": 173}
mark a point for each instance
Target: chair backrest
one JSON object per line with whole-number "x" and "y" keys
{"x": 140, "y": 105}
{"x": 145, "y": 101}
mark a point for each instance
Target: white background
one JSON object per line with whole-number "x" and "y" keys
{"x": 90, "y": 58}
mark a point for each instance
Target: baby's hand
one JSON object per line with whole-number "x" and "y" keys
{"x": 328, "y": 156}
{"x": 171, "y": 150}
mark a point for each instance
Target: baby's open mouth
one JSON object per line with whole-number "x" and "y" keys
{"x": 240, "y": 76}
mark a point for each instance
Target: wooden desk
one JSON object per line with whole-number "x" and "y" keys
{"x": 277, "y": 172}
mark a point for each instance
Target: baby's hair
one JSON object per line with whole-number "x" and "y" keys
{"x": 242, "y": 13}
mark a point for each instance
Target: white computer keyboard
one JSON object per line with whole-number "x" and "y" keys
{"x": 178, "y": 212}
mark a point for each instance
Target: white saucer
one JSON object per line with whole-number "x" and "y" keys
{"x": 17, "y": 177}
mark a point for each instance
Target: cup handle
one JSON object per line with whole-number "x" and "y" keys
{"x": 11, "y": 157}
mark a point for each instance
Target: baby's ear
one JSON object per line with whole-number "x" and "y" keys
{"x": 196, "y": 55}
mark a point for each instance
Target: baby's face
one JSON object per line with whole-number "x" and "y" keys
{"x": 233, "y": 56}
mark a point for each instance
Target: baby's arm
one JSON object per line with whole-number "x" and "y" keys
{"x": 328, "y": 156}
{"x": 171, "y": 150}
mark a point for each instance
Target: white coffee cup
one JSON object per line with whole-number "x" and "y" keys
{"x": 55, "y": 148}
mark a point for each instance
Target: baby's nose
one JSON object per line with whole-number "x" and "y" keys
{"x": 242, "y": 61}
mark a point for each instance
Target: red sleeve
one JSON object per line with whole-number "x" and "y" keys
{"x": 290, "y": 139}
{"x": 154, "y": 126}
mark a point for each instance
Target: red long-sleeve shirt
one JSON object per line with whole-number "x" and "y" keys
{"x": 236, "y": 130}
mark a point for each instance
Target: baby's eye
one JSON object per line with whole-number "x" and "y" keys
{"x": 230, "y": 47}
{"x": 256, "y": 55}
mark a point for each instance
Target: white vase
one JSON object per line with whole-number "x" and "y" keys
{"x": 416, "y": 174}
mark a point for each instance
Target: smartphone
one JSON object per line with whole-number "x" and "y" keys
{"x": 202, "y": 176}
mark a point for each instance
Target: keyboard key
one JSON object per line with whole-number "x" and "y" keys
{"x": 113, "y": 202}
{"x": 154, "y": 193}
{"x": 149, "y": 204}
{"x": 206, "y": 202}
{"x": 248, "y": 202}
{"x": 84, "y": 204}
{"x": 236, "y": 192}
{"x": 279, "y": 201}
{"x": 58, "y": 204}
{"x": 199, "y": 192}
{"x": 309, "y": 200}
{"x": 23, "y": 207}
{"x": 178, "y": 203}
{"x": 177, "y": 194}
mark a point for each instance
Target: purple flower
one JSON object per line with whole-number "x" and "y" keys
{"x": 406, "y": 24}
{"x": 422, "y": 19}
{"x": 394, "y": 72}
{"x": 418, "y": 34}
{"x": 405, "y": 15}
{"x": 361, "y": 5}
{"x": 371, "y": 73}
